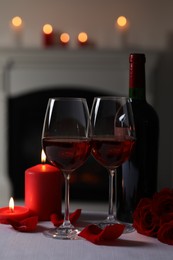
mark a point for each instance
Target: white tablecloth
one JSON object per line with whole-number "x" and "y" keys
{"x": 35, "y": 246}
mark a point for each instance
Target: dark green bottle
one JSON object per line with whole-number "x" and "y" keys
{"x": 137, "y": 178}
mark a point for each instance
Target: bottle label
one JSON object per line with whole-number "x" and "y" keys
{"x": 137, "y": 93}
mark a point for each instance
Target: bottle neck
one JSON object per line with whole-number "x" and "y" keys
{"x": 137, "y": 77}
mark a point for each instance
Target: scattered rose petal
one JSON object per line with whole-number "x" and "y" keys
{"x": 100, "y": 236}
{"x": 58, "y": 220}
{"x": 25, "y": 225}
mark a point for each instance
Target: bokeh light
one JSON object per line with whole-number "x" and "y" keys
{"x": 64, "y": 38}
{"x": 121, "y": 21}
{"x": 82, "y": 37}
{"x": 47, "y": 29}
{"x": 16, "y": 21}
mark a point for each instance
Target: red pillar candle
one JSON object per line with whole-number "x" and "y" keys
{"x": 43, "y": 190}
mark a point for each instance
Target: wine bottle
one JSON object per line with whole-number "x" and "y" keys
{"x": 137, "y": 178}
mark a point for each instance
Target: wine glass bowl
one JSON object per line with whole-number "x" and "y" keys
{"x": 113, "y": 137}
{"x": 111, "y": 152}
{"x": 67, "y": 154}
{"x": 66, "y": 142}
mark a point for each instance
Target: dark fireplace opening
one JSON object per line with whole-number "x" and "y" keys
{"x": 25, "y": 120}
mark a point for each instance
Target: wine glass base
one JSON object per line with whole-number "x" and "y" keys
{"x": 110, "y": 220}
{"x": 128, "y": 227}
{"x": 62, "y": 233}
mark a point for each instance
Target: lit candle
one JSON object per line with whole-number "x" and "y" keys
{"x": 122, "y": 27}
{"x": 48, "y": 37}
{"x": 13, "y": 212}
{"x": 64, "y": 39}
{"x": 17, "y": 28}
{"x": 83, "y": 39}
{"x": 43, "y": 189}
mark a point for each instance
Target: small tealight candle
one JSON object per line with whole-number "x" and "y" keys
{"x": 48, "y": 37}
{"x": 43, "y": 190}
{"x": 13, "y": 212}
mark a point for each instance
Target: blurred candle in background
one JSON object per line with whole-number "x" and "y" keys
{"x": 82, "y": 39}
{"x": 64, "y": 39}
{"x": 48, "y": 38}
{"x": 17, "y": 29}
{"x": 122, "y": 21}
{"x": 122, "y": 25}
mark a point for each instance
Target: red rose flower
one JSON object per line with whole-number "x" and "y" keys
{"x": 144, "y": 220}
{"x": 166, "y": 218}
{"x": 154, "y": 217}
{"x": 165, "y": 233}
{"x": 163, "y": 202}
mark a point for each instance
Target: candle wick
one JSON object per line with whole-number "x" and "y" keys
{"x": 11, "y": 210}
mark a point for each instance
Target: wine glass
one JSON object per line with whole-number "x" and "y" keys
{"x": 112, "y": 138}
{"x": 66, "y": 142}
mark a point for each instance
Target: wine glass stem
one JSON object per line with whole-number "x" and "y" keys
{"x": 66, "y": 222}
{"x": 111, "y": 215}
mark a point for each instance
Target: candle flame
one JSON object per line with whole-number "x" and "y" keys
{"x": 82, "y": 37}
{"x": 122, "y": 21}
{"x": 47, "y": 29}
{"x": 43, "y": 156}
{"x": 64, "y": 37}
{"x": 11, "y": 204}
{"x": 16, "y": 21}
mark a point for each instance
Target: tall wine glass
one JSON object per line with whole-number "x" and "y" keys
{"x": 66, "y": 142}
{"x": 113, "y": 136}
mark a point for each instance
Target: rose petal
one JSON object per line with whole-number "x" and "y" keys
{"x": 58, "y": 220}
{"x": 98, "y": 236}
{"x": 26, "y": 225}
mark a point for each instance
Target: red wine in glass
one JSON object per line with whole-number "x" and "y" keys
{"x": 112, "y": 152}
{"x": 66, "y": 154}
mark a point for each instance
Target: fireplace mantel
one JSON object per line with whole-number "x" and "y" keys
{"x": 28, "y": 69}
{"x": 25, "y": 70}
{"x": 44, "y": 68}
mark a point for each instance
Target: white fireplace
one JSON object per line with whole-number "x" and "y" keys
{"x": 25, "y": 70}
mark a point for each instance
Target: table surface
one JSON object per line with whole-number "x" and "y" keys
{"x": 35, "y": 246}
